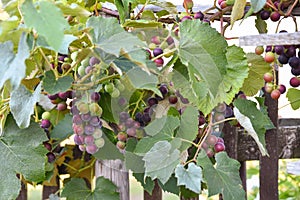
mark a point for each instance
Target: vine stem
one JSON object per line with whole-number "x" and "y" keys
{"x": 191, "y": 142}
{"x": 165, "y": 53}
{"x": 288, "y": 13}
{"x": 224, "y": 120}
{"x": 289, "y": 103}
{"x": 91, "y": 84}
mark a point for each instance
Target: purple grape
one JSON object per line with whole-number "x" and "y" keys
{"x": 157, "y": 51}
{"x": 269, "y": 48}
{"x": 164, "y": 90}
{"x": 86, "y": 117}
{"x": 88, "y": 69}
{"x": 45, "y": 123}
{"x": 95, "y": 121}
{"x": 74, "y": 110}
{"x": 123, "y": 116}
{"x": 63, "y": 95}
{"x": 283, "y": 59}
{"x": 97, "y": 133}
{"x": 291, "y": 51}
{"x": 228, "y": 112}
{"x": 51, "y": 157}
{"x": 131, "y": 132}
{"x": 95, "y": 96}
{"x": 265, "y": 14}
{"x": 61, "y": 58}
{"x": 296, "y": 71}
{"x": 152, "y": 101}
{"x": 170, "y": 40}
{"x": 129, "y": 122}
{"x": 53, "y": 96}
{"x": 122, "y": 101}
{"x": 89, "y": 129}
{"x": 93, "y": 61}
{"x": 279, "y": 49}
{"x": 282, "y": 88}
{"x": 184, "y": 18}
{"x": 78, "y": 139}
{"x": 78, "y": 129}
{"x": 173, "y": 99}
{"x": 77, "y": 119}
{"x": 89, "y": 139}
{"x": 91, "y": 149}
{"x": 146, "y": 118}
{"x": 61, "y": 106}
{"x": 294, "y": 62}
{"x": 81, "y": 147}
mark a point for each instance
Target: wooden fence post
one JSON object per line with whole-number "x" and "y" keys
{"x": 23, "y": 192}
{"x": 47, "y": 190}
{"x": 115, "y": 171}
{"x": 268, "y": 175}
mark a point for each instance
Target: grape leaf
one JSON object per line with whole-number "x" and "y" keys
{"x": 253, "y": 120}
{"x": 22, "y": 104}
{"x": 261, "y": 25}
{"x": 293, "y": 96}
{"x": 213, "y": 75}
{"x": 257, "y": 5}
{"x": 237, "y": 11}
{"x": 188, "y": 128}
{"x": 63, "y": 129}
{"x": 13, "y": 66}
{"x": 147, "y": 183}
{"x": 170, "y": 186}
{"x": 76, "y": 189}
{"x": 122, "y": 6}
{"x": 165, "y": 124}
{"x": 191, "y": 177}
{"x": 53, "y": 85}
{"x": 257, "y": 68}
{"x": 223, "y": 177}
{"x": 19, "y": 148}
{"x": 161, "y": 161}
{"x": 48, "y": 21}
{"x": 112, "y": 40}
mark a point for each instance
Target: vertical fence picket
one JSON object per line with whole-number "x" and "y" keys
{"x": 156, "y": 193}
{"x": 268, "y": 176}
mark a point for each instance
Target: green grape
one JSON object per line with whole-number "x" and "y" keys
{"x": 95, "y": 109}
{"x": 109, "y": 88}
{"x": 152, "y": 46}
{"x": 85, "y": 62}
{"x": 46, "y": 115}
{"x": 83, "y": 108}
{"x": 81, "y": 70}
{"x": 115, "y": 93}
{"x": 99, "y": 142}
{"x": 74, "y": 55}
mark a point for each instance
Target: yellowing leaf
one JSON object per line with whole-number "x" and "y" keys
{"x": 237, "y": 11}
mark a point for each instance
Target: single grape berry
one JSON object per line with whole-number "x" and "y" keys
{"x": 159, "y": 62}
{"x": 201, "y": 120}
{"x": 269, "y": 57}
{"x": 86, "y": 117}
{"x": 228, "y": 112}
{"x": 282, "y": 88}
{"x": 47, "y": 145}
{"x": 46, "y": 115}
{"x": 51, "y": 157}
{"x": 268, "y": 77}
{"x": 53, "y": 96}
{"x": 45, "y": 123}
{"x": 91, "y": 149}
{"x": 155, "y": 40}
{"x": 199, "y": 15}
{"x": 221, "y": 107}
{"x": 122, "y": 136}
{"x": 283, "y": 59}
{"x": 61, "y": 106}
{"x": 275, "y": 94}
{"x": 78, "y": 129}
{"x": 89, "y": 129}
{"x": 88, "y": 69}
{"x": 89, "y": 139}
{"x": 219, "y": 146}
{"x": 294, "y": 62}
{"x": 78, "y": 139}
{"x": 95, "y": 96}
{"x": 77, "y": 119}
{"x": 97, "y": 133}
{"x": 279, "y": 49}
{"x": 157, "y": 51}
{"x": 131, "y": 132}
{"x": 95, "y": 121}
{"x": 152, "y": 101}
{"x": 93, "y": 61}
{"x": 121, "y": 145}
{"x": 99, "y": 142}
{"x": 265, "y": 14}
{"x": 164, "y": 89}
{"x": 211, "y": 140}
{"x": 259, "y": 50}
{"x": 173, "y": 99}
{"x": 63, "y": 95}
{"x": 291, "y": 51}
{"x": 268, "y": 87}
{"x": 295, "y": 82}
{"x": 295, "y": 71}
{"x": 275, "y": 16}
{"x": 184, "y": 18}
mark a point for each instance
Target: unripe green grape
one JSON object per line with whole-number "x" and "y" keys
{"x": 85, "y": 62}
{"x": 115, "y": 93}
{"x": 152, "y": 46}
{"x": 109, "y": 88}
{"x": 97, "y": 133}
{"x": 99, "y": 142}
{"x": 168, "y": 53}
{"x": 46, "y": 115}
{"x": 74, "y": 55}
{"x": 83, "y": 107}
{"x": 95, "y": 109}
{"x": 81, "y": 70}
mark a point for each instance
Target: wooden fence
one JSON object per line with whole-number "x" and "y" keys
{"x": 282, "y": 143}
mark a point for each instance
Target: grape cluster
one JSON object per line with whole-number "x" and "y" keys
{"x": 61, "y": 63}
{"x": 285, "y": 54}
{"x": 114, "y": 88}
{"x": 87, "y": 124}
{"x": 213, "y": 145}
{"x": 88, "y": 66}
{"x": 273, "y": 14}
{"x": 133, "y": 126}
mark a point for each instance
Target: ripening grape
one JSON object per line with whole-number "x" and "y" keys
{"x": 173, "y": 99}
{"x": 131, "y": 132}
{"x": 279, "y": 49}
{"x": 220, "y": 140}
{"x": 109, "y": 87}
{"x": 53, "y": 97}
{"x": 268, "y": 77}
{"x": 265, "y": 14}
{"x": 152, "y": 101}
{"x": 199, "y": 15}
{"x": 95, "y": 109}
{"x": 221, "y": 107}
{"x": 97, "y": 133}
{"x": 218, "y": 117}
{"x": 295, "y": 82}
{"x": 47, "y": 145}
{"x": 46, "y": 115}
{"x": 77, "y": 119}
{"x": 121, "y": 145}
{"x": 228, "y": 112}
{"x": 45, "y": 123}
{"x": 63, "y": 95}
{"x": 115, "y": 93}
{"x": 291, "y": 51}
{"x": 211, "y": 140}
{"x": 51, "y": 157}
{"x": 86, "y": 117}
{"x": 61, "y": 106}
{"x": 296, "y": 71}
{"x": 155, "y": 40}
{"x": 91, "y": 149}
{"x": 95, "y": 121}
{"x": 93, "y": 61}
{"x": 89, "y": 140}
{"x": 122, "y": 136}
{"x": 88, "y": 69}
{"x": 259, "y": 50}
{"x": 81, "y": 147}
{"x": 89, "y": 129}
{"x": 78, "y": 139}
{"x": 209, "y": 152}
{"x": 275, "y": 16}
{"x": 159, "y": 62}
{"x": 269, "y": 57}
{"x": 164, "y": 89}
{"x": 157, "y": 51}
{"x": 95, "y": 96}
{"x": 282, "y": 88}
{"x": 123, "y": 116}
{"x": 275, "y": 94}
{"x": 219, "y": 146}
{"x": 83, "y": 107}
{"x": 78, "y": 129}
{"x": 129, "y": 122}
{"x": 283, "y": 59}
{"x": 294, "y": 62}
{"x": 201, "y": 120}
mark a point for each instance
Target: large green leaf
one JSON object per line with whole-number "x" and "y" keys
{"x": 257, "y": 5}
{"x": 22, "y": 153}
{"x": 47, "y": 20}
{"x": 257, "y": 68}
{"x": 63, "y": 129}
{"x": 12, "y": 67}
{"x": 165, "y": 124}
{"x": 53, "y": 85}
{"x": 253, "y": 120}
{"x": 223, "y": 177}
{"x": 293, "y": 96}
{"x": 112, "y": 40}
{"x": 22, "y": 103}
{"x": 76, "y": 189}
{"x": 188, "y": 128}
{"x": 191, "y": 177}
{"x": 161, "y": 161}
{"x": 214, "y": 74}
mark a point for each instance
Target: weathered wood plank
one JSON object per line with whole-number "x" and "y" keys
{"x": 156, "y": 193}
{"x": 23, "y": 192}
{"x": 268, "y": 173}
{"x": 47, "y": 190}
{"x": 115, "y": 171}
